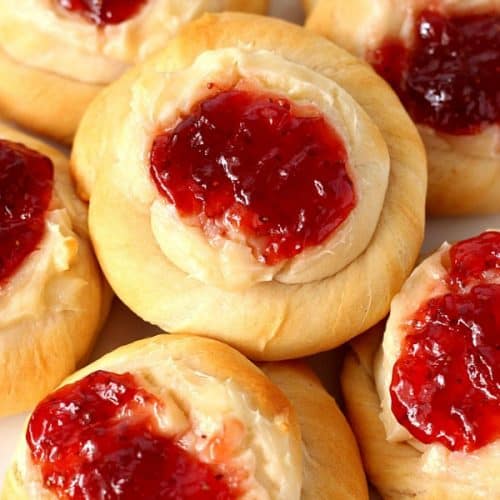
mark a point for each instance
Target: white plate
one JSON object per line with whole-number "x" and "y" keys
{"x": 124, "y": 327}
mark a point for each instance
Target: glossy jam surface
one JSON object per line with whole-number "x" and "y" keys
{"x": 449, "y": 78}
{"x": 97, "y": 438}
{"x": 259, "y": 166}
{"x": 446, "y": 384}
{"x": 26, "y": 179}
{"x": 103, "y": 12}
{"x": 475, "y": 259}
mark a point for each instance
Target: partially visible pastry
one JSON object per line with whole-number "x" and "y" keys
{"x": 425, "y": 406}
{"x": 56, "y": 55}
{"x": 183, "y": 417}
{"x": 442, "y": 58}
{"x": 332, "y": 465}
{"x": 263, "y": 186}
{"x": 53, "y": 298}
{"x": 309, "y": 5}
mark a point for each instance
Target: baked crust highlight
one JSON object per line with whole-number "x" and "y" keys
{"x": 332, "y": 464}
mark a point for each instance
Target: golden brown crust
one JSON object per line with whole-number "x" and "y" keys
{"x": 268, "y": 321}
{"x": 39, "y": 347}
{"x": 390, "y": 467}
{"x": 464, "y": 176}
{"x": 308, "y": 5}
{"x": 42, "y": 101}
{"x": 194, "y": 354}
{"x": 332, "y": 464}
{"x": 461, "y": 182}
{"x": 257, "y": 6}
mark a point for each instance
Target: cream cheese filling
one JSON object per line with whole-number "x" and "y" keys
{"x": 480, "y": 467}
{"x": 228, "y": 262}
{"x": 64, "y": 43}
{"x": 202, "y": 409}
{"x": 44, "y": 283}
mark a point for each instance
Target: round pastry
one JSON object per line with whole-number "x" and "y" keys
{"x": 426, "y": 408}
{"x": 442, "y": 58}
{"x": 53, "y": 298}
{"x": 263, "y": 186}
{"x": 76, "y": 47}
{"x": 185, "y": 417}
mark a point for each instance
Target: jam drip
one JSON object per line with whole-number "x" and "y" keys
{"x": 97, "y": 438}
{"x": 449, "y": 78}
{"x": 259, "y": 166}
{"x": 446, "y": 384}
{"x": 26, "y": 179}
{"x": 102, "y": 12}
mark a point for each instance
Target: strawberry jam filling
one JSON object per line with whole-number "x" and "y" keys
{"x": 256, "y": 165}
{"x": 98, "y": 438}
{"x": 449, "y": 78}
{"x": 446, "y": 384}
{"x": 26, "y": 179}
{"x": 475, "y": 259}
{"x": 103, "y": 12}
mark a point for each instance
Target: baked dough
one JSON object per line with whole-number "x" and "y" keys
{"x": 309, "y": 5}
{"x": 397, "y": 463}
{"x": 397, "y": 469}
{"x": 203, "y": 384}
{"x": 209, "y": 383}
{"x": 331, "y": 461}
{"x": 464, "y": 170}
{"x": 330, "y": 294}
{"x": 49, "y": 77}
{"x": 55, "y": 303}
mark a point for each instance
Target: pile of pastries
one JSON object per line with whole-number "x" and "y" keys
{"x": 257, "y": 190}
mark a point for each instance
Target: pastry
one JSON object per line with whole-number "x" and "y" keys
{"x": 332, "y": 466}
{"x": 426, "y": 407}
{"x": 441, "y": 57}
{"x": 52, "y": 296}
{"x": 185, "y": 417}
{"x": 76, "y": 47}
{"x": 283, "y": 226}
{"x": 309, "y": 5}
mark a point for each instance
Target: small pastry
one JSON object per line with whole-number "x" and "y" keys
{"x": 442, "y": 59}
{"x": 426, "y": 408}
{"x": 185, "y": 417}
{"x": 55, "y": 55}
{"x": 263, "y": 187}
{"x": 53, "y": 298}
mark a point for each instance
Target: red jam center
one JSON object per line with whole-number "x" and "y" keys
{"x": 259, "y": 166}
{"x": 102, "y": 12}
{"x": 25, "y": 192}
{"x": 446, "y": 384}
{"x": 449, "y": 79}
{"x": 97, "y": 438}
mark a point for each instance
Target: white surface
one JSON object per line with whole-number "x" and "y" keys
{"x": 124, "y": 327}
